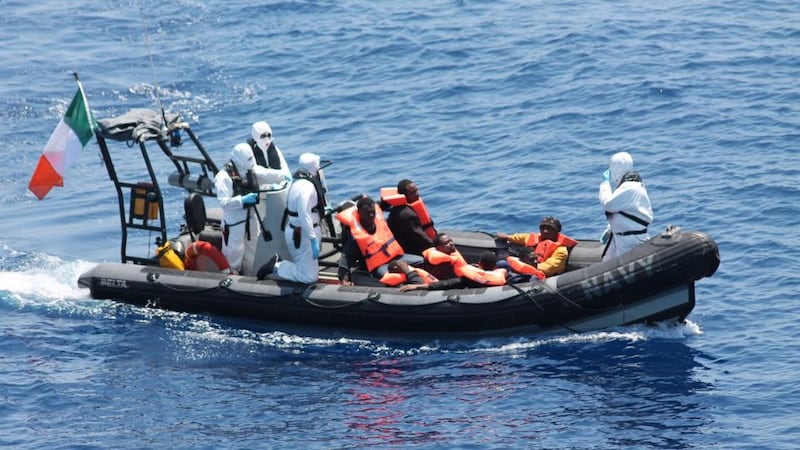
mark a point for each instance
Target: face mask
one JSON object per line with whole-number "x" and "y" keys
{"x": 264, "y": 141}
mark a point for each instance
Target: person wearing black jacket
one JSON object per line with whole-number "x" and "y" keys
{"x": 405, "y": 223}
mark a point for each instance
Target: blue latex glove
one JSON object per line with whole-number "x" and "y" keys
{"x": 605, "y": 236}
{"x": 250, "y": 199}
{"x": 315, "y": 248}
{"x": 606, "y": 176}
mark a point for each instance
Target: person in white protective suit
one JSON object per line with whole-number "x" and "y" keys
{"x": 238, "y": 198}
{"x": 267, "y": 154}
{"x": 305, "y": 206}
{"x": 627, "y": 206}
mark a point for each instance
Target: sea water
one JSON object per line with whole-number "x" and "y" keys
{"x": 502, "y": 112}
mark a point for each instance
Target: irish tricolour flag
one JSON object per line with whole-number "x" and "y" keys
{"x": 64, "y": 146}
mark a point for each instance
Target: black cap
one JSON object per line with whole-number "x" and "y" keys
{"x": 551, "y": 222}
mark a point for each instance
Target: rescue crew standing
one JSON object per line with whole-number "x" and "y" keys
{"x": 238, "y": 193}
{"x": 267, "y": 154}
{"x": 626, "y": 204}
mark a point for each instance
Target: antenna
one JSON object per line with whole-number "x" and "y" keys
{"x": 153, "y": 68}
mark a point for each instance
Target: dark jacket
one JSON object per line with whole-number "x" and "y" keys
{"x": 407, "y": 229}
{"x": 350, "y": 255}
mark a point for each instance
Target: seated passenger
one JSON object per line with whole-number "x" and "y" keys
{"x": 367, "y": 242}
{"x": 401, "y": 273}
{"x": 549, "y": 245}
{"x": 523, "y": 267}
{"x": 408, "y": 217}
{"x": 443, "y": 257}
{"x": 485, "y": 274}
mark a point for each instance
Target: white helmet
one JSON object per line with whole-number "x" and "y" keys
{"x": 309, "y": 162}
{"x": 243, "y": 159}
{"x": 621, "y": 163}
{"x": 262, "y": 134}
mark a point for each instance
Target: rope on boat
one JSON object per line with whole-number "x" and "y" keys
{"x": 527, "y": 294}
{"x": 227, "y": 283}
{"x": 346, "y": 305}
{"x": 568, "y": 301}
{"x": 565, "y": 299}
{"x": 152, "y": 277}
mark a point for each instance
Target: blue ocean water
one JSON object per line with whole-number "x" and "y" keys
{"x": 502, "y": 112}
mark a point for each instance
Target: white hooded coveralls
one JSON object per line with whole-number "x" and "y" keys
{"x": 234, "y": 212}
{"x": 629, "y": 197}
{"x": 261, "y": 133}
{"x": 302, "y": 199}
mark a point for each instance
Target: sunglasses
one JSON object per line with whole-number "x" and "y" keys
{"x": 266, "y": 136}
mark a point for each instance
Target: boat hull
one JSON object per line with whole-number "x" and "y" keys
{"x": 654, "y": 282}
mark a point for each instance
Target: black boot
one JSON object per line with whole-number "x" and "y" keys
{"x": 267, "y": 268}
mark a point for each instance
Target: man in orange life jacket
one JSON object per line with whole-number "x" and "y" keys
{"x": 408, "y": 217}
{"x": 550, "y": 246}
{"x": 401, "y": 273}
{"x": 443, "y": 257}
{"x": 485, "y": 274}
{"x": 367, "y": 242}
{"x": 522, "y": 267}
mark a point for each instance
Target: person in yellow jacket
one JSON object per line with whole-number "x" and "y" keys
{"x": 550, "y": 246}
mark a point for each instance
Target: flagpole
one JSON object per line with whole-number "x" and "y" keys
{"x": 85, "y": 102}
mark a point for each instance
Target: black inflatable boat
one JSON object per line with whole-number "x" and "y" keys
{"x": 652, "y": 283}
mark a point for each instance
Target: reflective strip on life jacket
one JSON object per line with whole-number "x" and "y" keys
{"x": 392, "y": 197}
{"x": 379, "y": 248}
{"x": 496, "y": 277}
{"x": 526, "y": 269}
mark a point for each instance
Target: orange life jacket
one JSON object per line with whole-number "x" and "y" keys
{"x": 379, "y": 248}
{"x": 524, "y": 268}
{"x": 203, "y": 256}
{"x": 496, "y": 277}
{"x": 396, "y": 279}
{"x": 435, "y": 257}
{"x": 545, "y": 248}
{"x": 392, "y": 197}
